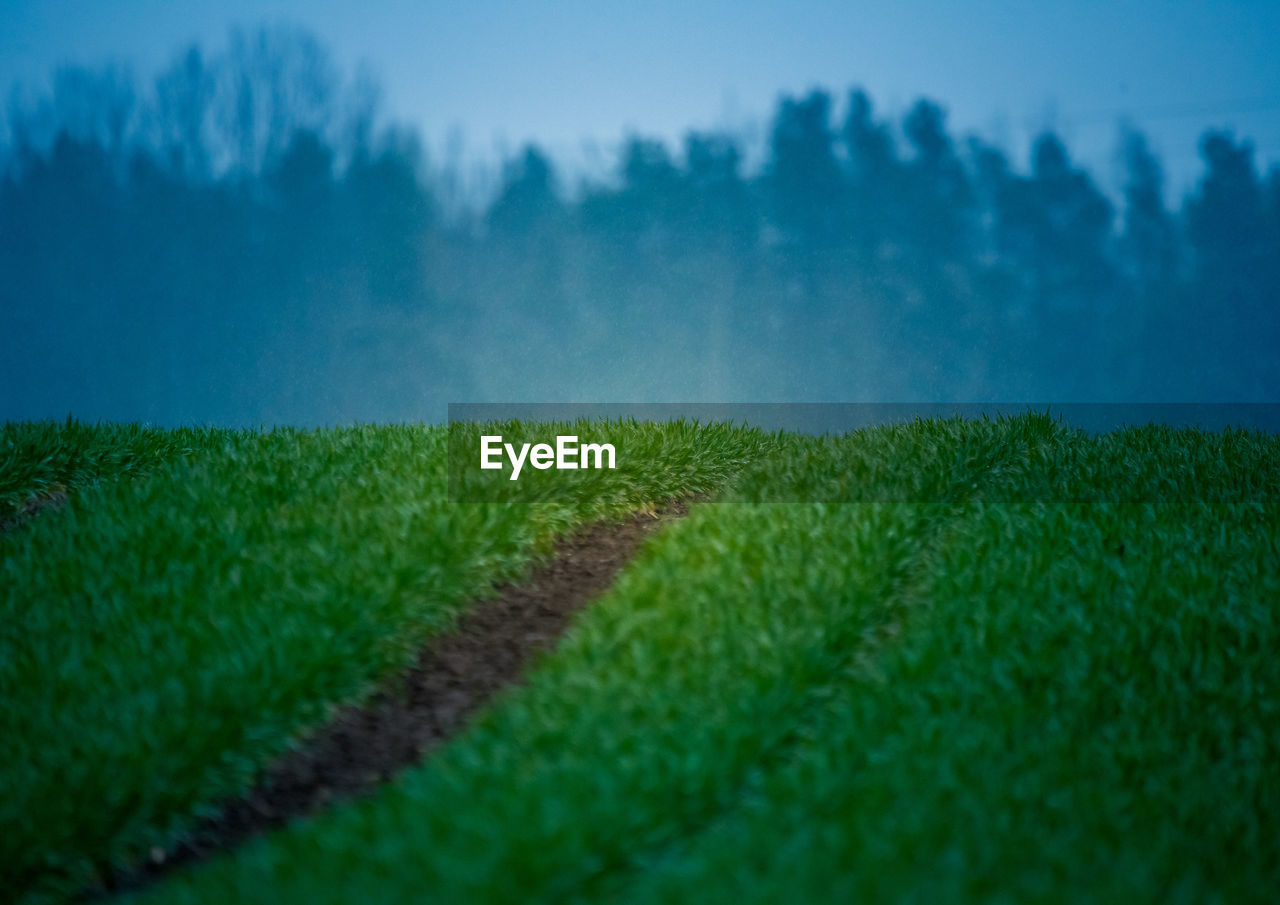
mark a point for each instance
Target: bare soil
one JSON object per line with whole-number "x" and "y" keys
{"x": 50, "y": 498}
{"x": 454, "y": 675}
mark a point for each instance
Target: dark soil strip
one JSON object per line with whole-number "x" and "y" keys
{"x": 454, "y": 675}
{"x": 13, "y": 518}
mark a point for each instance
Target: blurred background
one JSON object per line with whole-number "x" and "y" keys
{"x": 322, "y": 213}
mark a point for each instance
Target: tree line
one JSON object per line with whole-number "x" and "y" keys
{"x": 246, "y": 239}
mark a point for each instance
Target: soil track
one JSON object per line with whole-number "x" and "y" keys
{"x": 454, "y": 675}
{"x": 16, "y": 517}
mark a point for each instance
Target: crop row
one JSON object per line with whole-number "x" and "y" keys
{"x": 162, "y": 639}
{"x": 962, "y": 700}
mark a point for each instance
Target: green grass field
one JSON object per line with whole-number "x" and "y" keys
{"x": 1027, "y": 664}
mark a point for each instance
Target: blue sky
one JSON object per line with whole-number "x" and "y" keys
{"x": 577, "y": 76}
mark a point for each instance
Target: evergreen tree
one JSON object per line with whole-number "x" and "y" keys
{"x": 938, "y": 197}
{"x": 1150, "y": 239}
{"x": 806, "y": 188}
{"x": 875, "y": 179}
{"x": 1231, "y": 240}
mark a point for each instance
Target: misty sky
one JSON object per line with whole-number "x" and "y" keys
{"x": 502, "y": 73}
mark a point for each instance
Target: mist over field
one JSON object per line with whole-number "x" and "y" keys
{"x": 247, "y": 238}
{"x": 832, "y": 504}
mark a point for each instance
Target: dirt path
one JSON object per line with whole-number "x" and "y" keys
{"x": 11, "y": 519}
{"x": 453, "y": 677}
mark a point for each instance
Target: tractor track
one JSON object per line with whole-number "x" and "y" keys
{"x": 454, "y": 675}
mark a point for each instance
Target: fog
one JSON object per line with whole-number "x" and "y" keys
{"x": 247, "y": 239}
